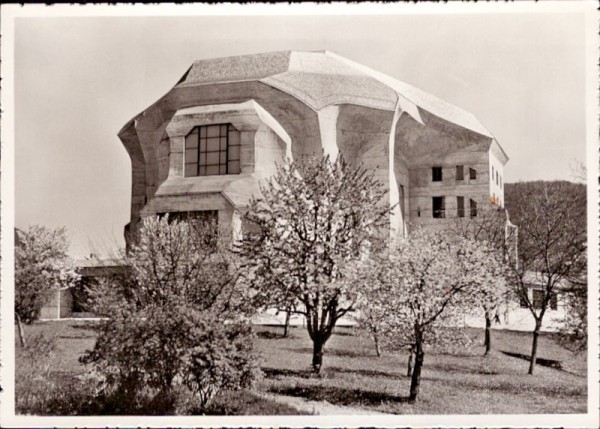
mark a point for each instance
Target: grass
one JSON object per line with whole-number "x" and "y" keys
{"x": 451, "y": 383}
{"x": 354, "y": 376}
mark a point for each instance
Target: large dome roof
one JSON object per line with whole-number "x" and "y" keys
{"x": 320, "y": 79}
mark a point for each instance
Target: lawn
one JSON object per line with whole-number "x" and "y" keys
{"x": 353, "y": 376}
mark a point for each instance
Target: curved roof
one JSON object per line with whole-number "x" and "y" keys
{"x": 320, "y": 79}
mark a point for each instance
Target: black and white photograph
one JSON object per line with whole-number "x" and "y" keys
{"x": 311, "y": 215}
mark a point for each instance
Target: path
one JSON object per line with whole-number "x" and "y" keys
{"x": 323, "y": 408}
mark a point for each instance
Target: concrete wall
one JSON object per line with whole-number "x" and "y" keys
{"x": 496, "y": 166}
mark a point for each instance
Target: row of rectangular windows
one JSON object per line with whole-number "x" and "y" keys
{"x": 439, "y": 207}
{"x": 538, "y": 299}
{"x": 436, "y": 173}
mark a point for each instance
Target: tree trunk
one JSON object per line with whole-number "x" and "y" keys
{"x": 536, "y": 334}
{"x": 488, "y": 334}
{"x": 410, "y": 362}
{"x": 317, "y": 360}
{"x": 286, "y": 328}
{"x": 416, "y": 373}
{"x": 376, "y": 339}
{"x": 21, "y": 331}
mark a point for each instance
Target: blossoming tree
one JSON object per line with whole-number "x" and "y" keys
{"x": 314, "y": 217}
{"x": 42, "y": 265}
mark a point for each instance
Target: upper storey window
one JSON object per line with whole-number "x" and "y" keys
{"x": 436, "y": 174}
{"x": 212, "y": 150}
{"x": 472, "y": 174}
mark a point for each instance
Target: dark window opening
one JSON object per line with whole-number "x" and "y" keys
{"x": 439, "y": 207}
{"x": 204, "y": 223}
{"x": 473, "y": 205}
{"x": 460, "y": 206}
{"x": 436, "y": 174}
{"x": 522, "y": 301}
{"x": 538, "y": 298}
{"x": 212, "y": 150}
{"x": 419, "y": 212}
{"x": 472, "y": 174}
{"x": 460, "y": 172}
{"x": 497, "y": 183}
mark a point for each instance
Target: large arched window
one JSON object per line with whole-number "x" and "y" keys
{"x": 212, "y": 150}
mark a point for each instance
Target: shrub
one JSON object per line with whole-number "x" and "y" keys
{"x": 159, "y": 351}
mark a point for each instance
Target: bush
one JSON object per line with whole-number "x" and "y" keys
{"x": 160, "y": 351}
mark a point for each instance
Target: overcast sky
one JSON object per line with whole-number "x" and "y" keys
{"x": 79, "y": 80}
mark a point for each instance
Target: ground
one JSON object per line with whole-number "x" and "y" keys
{"x": 355, "y": 380}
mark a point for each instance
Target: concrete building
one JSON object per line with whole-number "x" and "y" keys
{"x": 204, "y": 147}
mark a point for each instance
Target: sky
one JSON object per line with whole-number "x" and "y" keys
{"x": 78, "y": 80}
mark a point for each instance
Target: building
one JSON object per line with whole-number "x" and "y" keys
{"x": 204, "y": 147}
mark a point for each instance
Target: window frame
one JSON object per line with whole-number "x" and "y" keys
{"x": 439, "y": 213}
{"x": 460, "y": 172}
{"x": 198, "y": 141}
{"x": 460, "y": 206}
{"x": 434, "y": 174}
{"x": 472, "y": 174}
{"x": 472, "y": 208}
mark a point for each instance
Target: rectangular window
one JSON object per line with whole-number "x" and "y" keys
{"x": 538, "y": 298}
{"x": 497, "y": 183}
{"x": 472, "y": 174}
{"x": 205, "y": 223}
{"x": 522, "y": 301}
{"x": 212, "y": 150}
{"x": 439, "y": 207}
{"x": 460, "y": 172}
{"x": 473, "y": 204}
{"x": 500, "y": 182}
{"x": 436, "y": 174}
{"x": 460, "y": 206}
{"x": 553, "y": 301}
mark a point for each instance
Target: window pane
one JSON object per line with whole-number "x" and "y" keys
{"x": 212, "y": 158}
{"x": 436, "y": 174}
{"x": 223, "y": 157}
{"x": 223, "y": 130}
{"x": 439, "y": 207}
{"x": 460, "y": 204}
{"x": 223, "y": 143}
{"x": 191, "y": 156}
{"x": 538, "y": 298}
{"x": 202, "y": 131}
{"x": 202, "y": 171}
{"x": 203, "y": 159}
{"x": 213, "y": 130}
{"x": 234, "y": 167}
{"x": 212, "y": 144}
{"x": 473, "y": 174}
{"x": 202, "y": 145}
{"x": 459, "y": 172}
{"x": 473, "y": 208}
{"x": 191, "y": 141}
{"x": 191, "y": 170}
{"x": 234, "y": 138}
{"x": 212, "y": 170}
{"x": 234, "y": 152}
{"x": 222, "y": 169}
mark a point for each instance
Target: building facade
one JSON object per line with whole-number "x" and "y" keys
{"x": 204, "y": 147}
